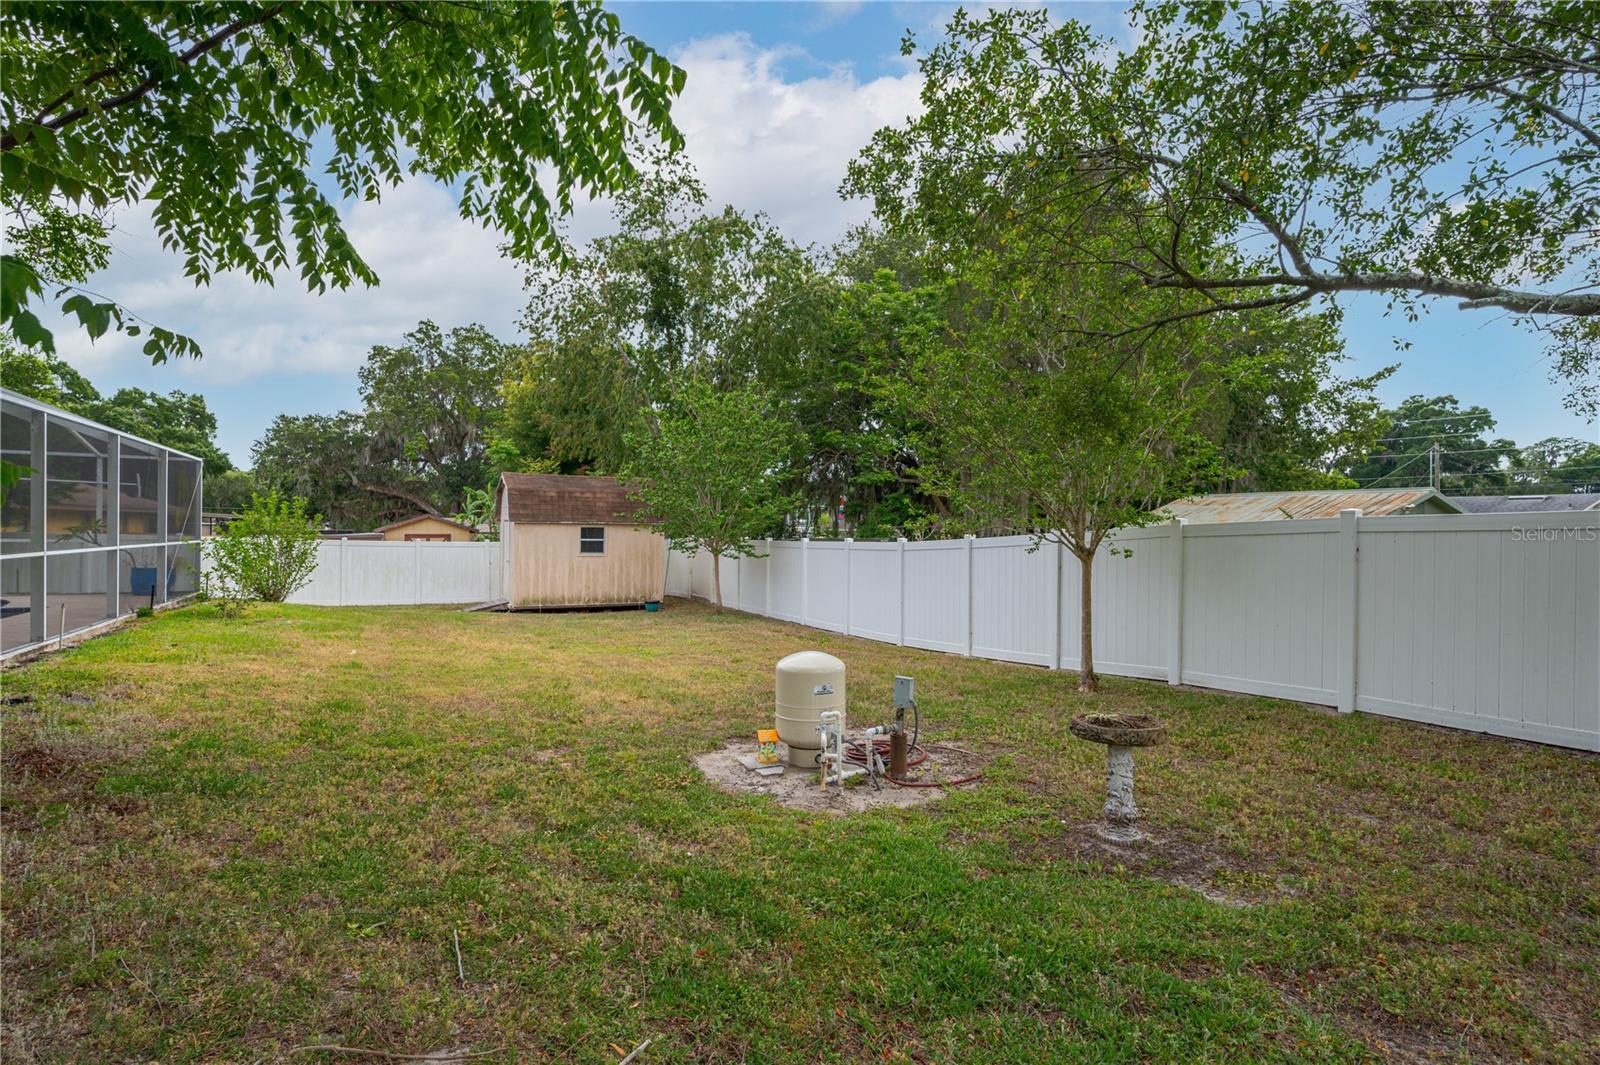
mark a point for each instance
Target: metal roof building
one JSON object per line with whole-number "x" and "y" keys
{"x": 1287, "y": 506}
{"x": 101, "y": 522}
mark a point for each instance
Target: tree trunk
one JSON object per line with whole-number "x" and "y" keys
{"x": 716, "y": 579}
{"x": 1088, "y": 679}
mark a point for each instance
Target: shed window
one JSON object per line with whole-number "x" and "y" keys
{"x": 592, "y": 540}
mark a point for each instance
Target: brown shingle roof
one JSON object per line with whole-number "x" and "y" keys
{"x": 557, "y": 499}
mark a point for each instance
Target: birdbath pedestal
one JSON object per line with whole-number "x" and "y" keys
{"x": 1121, "y": 733}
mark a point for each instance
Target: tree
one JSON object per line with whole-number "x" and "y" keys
{"x": 1556, "y": 464}
{"x": 268, "y": 552}
{"x": 216, "y": 114}
{"x": 1284, "y": 420}
{"x": 712, "y": 470}
{"x": 858, "y": 446}
{"x": 327, "y": 460}
{"x": 1064, "y": 439}
{"x": 1471, "y": 462}
{"x": 675, "y": 289}
{"x": 1049, "y": 411}
{"x": 434, "y": 402}
{"x": 431, "y": 415}
{"x": 1265, "y": 155}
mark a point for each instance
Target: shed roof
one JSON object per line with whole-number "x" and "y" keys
{"x": 560, "y": 499}
{"x": 1528, "y": 504}
{"x": 1281, "y": 506}
{"x": 423, "y": 517}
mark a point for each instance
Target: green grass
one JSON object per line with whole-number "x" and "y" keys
{"x": 263, "y": 833}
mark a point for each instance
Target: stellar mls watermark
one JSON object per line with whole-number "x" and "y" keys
{"x": 1548, "y": 534}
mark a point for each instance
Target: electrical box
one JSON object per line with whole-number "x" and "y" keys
{"x": 905, "y": 693}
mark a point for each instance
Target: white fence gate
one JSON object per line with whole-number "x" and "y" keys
{"x": 1485, "y": 622}
{"x": 396, "y": 573}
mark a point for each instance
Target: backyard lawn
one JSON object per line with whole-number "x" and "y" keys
{"x": 225, "y": 840}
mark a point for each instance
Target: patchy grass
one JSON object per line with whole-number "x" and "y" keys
{"x": 254, "y": 835}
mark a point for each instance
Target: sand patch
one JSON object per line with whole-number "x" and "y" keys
{"x": 799, "y": 789}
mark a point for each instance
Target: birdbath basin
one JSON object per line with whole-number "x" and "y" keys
{"x": 1120, "y": 733}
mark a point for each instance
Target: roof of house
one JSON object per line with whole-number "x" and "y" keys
{"x": 1281, "y": 506}
{"x": 422, "y": 517}
{"x": 1528, "y": 504}
{"x": 559, "y": 499}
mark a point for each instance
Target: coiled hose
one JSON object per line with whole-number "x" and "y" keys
{"x": 855, "y": 752}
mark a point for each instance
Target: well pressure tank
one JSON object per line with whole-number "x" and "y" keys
{"x": 808, "y": 683}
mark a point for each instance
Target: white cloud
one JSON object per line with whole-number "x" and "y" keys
{"x": 760, "y": 142}
{"x": 430, "y": 260}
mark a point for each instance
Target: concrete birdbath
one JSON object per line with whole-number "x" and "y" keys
{"x": 1121, "y": 733}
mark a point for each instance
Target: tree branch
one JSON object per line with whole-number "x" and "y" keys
{"x": 143, "y": 89}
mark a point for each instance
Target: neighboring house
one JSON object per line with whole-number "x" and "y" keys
{"x": 1558, "y": 501}
{"x": 576, "y": 542}
{"x": 427, "y": 527}
{"x": 1285, "y": 506}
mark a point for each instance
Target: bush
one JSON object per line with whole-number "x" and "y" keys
{"x": 267, "y": 553}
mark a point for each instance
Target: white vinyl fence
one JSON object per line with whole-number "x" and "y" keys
{"x": 1482, "y": 622}
{"x": 396, "y": 573}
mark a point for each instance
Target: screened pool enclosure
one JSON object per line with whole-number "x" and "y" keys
{"x": 100, "y": 524}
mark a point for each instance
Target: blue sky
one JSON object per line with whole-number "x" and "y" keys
{"x": 780, "y": 97}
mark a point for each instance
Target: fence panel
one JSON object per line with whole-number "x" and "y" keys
{"x": 1259, "y": 608}
{"x": 753, "y": 582}
{"x": 1483, "y": 622}
{"x": 389, "y": 573}
{"x": 680, "y": 569}
{"x": 1130, "y": 605}
{"x": 1014, "y": 599}
{"x": 1485, "y": 626}
{"x": 937, "y": 607}
{"x": 827, "y": 597}
{"x": 874, "y": 590}
{"x": 788, "y": 591}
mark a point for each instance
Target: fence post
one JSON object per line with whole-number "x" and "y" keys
{"x": 344, "y": 543}
{"x": 416, "y": 571}
{"x": 1349, "y": 562}
{"x": 901, "y": 542}
{"x": 848, "y": 574}
{"x": 1055, "y": 604}
{"x": 1175, "y": 604}
{"x": 971, "y": 539}
{"x": 805, "y": 577}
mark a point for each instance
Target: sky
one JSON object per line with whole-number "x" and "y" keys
{"x": 780, "y": 97}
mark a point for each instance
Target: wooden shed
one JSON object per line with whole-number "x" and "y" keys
{"x": 427, "y": 527}
{"x": 576, "y": 542}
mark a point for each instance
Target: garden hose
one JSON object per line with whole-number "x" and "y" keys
{"x": 857, "y": 753}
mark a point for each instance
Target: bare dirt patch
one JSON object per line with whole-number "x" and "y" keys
{"x": 798, "y": 788}
{"x": 1165, "y": 857}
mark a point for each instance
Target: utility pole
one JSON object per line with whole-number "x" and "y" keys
{"x": 1435, "y": 465}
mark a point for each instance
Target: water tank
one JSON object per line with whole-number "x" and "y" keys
{"x": 808, "y": 683}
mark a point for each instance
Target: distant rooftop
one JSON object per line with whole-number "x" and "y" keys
{"x": 1529, "y": 504}
{"x": 1284, "y": 506}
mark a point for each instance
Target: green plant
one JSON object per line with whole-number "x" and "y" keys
{"x": 477, "y": 510}
{"x": 712, "y": 472}
{"x": 268, "y": 553}
{"x": 145, "y": 612}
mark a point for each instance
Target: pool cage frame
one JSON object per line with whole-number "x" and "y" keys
{"x": 97, "y": 519}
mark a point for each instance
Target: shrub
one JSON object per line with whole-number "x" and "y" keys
{"x": 267, "y": 553}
